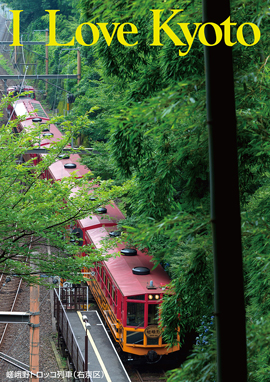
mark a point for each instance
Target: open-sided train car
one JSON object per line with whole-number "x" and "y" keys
{"x": 129, "y": 292}
{"x": 127, "y": 288}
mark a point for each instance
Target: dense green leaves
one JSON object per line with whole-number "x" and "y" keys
{"x": 159, "y": 139}
{"x": 33, "y": 10}
{"x": 35, "y": 213}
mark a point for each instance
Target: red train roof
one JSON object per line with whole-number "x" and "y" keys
{"x": 109, "y": 219}
{"x": 26, "y": 87}
{"x": 58, "y": 171}
{"x": 26, "y": 106}
{"x": 120, "y": 268}
{"x": 57, "y": 135}
{"x": 131, "y": 285}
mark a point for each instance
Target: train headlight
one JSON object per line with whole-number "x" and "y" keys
{"x": 156, "y": 296}
{"x": 150, "y": 297}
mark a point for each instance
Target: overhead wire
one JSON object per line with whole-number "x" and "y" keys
{"x": 21, "y": 87}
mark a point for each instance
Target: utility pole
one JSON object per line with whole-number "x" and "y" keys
{"x": 225, "y": 206}
{"x": 15, "y": 56}
{"x": 78, "y": 66}
{"x": 47, "y": 58}
{"x": 34, "y": 332}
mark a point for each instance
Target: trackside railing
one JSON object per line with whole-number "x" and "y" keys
{"x": 74, "y": 297}
{"x": 64, "y": 327}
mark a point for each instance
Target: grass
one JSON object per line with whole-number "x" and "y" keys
{"x": 4, "y": 64}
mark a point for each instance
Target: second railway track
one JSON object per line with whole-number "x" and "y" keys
{"x": 146, "y": 376}
{"x": 9, "y": 290}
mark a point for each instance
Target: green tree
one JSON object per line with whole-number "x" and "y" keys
{"x": 33, "y": 10}
{"x": 36, "y": 212}
{"x": 158, "y": 138}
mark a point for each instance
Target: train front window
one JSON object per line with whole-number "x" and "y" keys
{"x": 152, "y": 314}
{"x": 135, "y": 314}
{"x": 138, "y": 297}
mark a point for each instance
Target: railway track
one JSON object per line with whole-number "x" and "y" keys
{"x": 146, "y": 376}
{"x": 9, "y": 290}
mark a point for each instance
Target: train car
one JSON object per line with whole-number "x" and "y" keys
{"x": 126, "y": 288}
{"x": 18, "y": 89}
{"x": 129, "y": 291}
{"x": 33, "y": 112}
{"x": 64, "y": 166}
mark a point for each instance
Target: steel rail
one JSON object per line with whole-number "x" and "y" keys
{"x": 15, "y": 298}
{"x": 16, "y": 363}
{"x": 12, "y": 307}
{"x": 139, "y": 375}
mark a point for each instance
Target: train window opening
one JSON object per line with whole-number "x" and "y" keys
{"x": 113, "y": 292}
{"x": 108, "y": 286}
{"x": 135, "y": 314}
{"x": 97, "y": 270}
{"x": 153, "y": 314}
{"x": 139, "y": 297}
{"x": 104, "y": 278}
{"x": 135, "y": 338}
{"x": 152, "y": 341}
{"x": 115, "y": 301}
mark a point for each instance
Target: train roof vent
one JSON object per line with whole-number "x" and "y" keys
{"x": 115, "y": 233}
{"x": 63, "y": 156}
{"x": 129, "y": 251}
{"x": 101, "y": 210}
{"x": 70, "y": 165}
{"x": 140, "y": 271}
{"x": 36, "y": 120}
{"x": 46, "y": 129}
{"x": 40, "y": 112}
{"x": 92, "y": 198}
{"x": 47, "y": 135}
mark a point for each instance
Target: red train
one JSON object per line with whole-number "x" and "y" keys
{"x": 126, "y": 288}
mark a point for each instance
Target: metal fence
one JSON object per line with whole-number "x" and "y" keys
{"x": 74, "y": 298}
{"x": 64, "y": 327}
